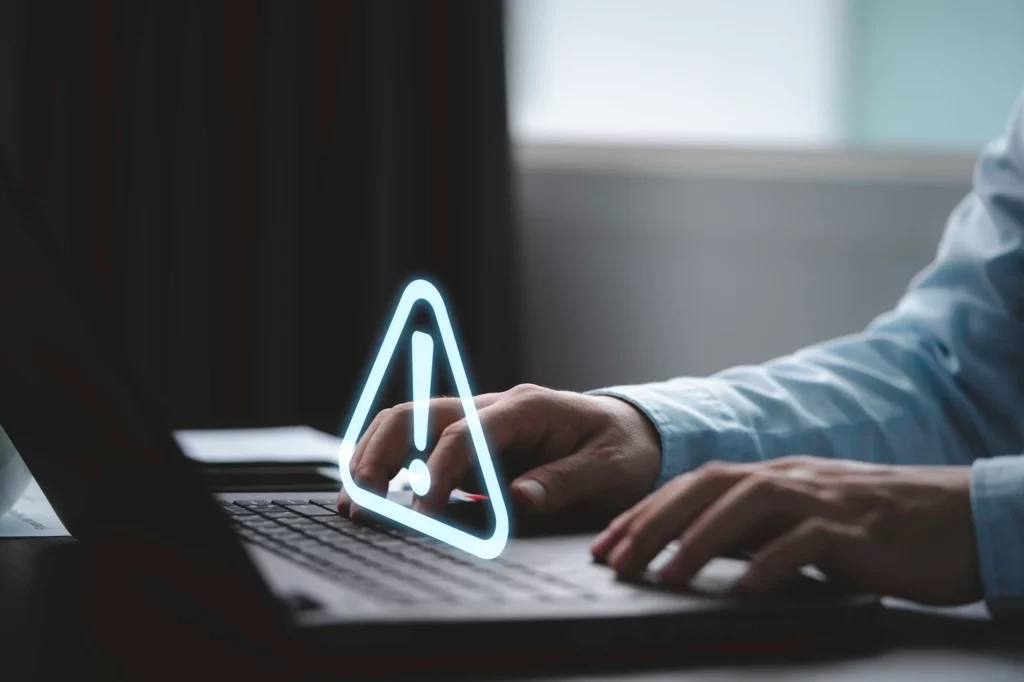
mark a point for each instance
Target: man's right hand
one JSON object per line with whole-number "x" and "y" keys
{"x": 561, "y": 450}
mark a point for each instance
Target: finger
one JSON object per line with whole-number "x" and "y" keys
{"x": 507, "y": 421}
{"x": 345, "y": 502}
{"x": 343, "y": 498}
{"x": 611, "y": 535}
{"x": 367, "y": 436}
{"x": 557, "y": 485}
{"x": 748, "y": 506}
{"x": 815, "y": 541}
{"x": 810, "y": 466}
{"x": 672, "y": 509}
{"x": 606, "y": 542}
{"x": 385, "y": 452}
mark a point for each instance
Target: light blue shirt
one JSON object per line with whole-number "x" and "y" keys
{"x": 939, "y": 380}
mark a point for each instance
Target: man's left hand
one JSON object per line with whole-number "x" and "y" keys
{"x": 894, "y": 530}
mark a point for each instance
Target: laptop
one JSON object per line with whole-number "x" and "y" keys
{"x": 286, "y": 564}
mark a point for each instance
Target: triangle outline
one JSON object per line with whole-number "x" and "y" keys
{"x": 484, "y": 548}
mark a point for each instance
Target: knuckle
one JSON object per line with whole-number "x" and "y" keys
{"x": 814, "y": 525}
{"x": 456, "y": 431}
{"x": 714, "y": 470}
{"x": 525, "y": 389}
{"x": 680, "y": 482}
{"x": 530, "y": 394}
{"x": 380, "y": 423}
{"x": 402, "y": 410}
{"x": 817, "y": 529}
{"x": 635, "y": 529}
{"x": 800, "y": 460}
{"x": 831, "y": 497}
{"x": 759, "y": 483}
{"x": 381, "y": 417}
{"x": 364, "y": 471}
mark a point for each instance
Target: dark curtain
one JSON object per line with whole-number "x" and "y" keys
{"x": 249, "y": 184}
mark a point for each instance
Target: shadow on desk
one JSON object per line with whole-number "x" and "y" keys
{"x": 49, "y": 631}
{"x": 72, "y": 613}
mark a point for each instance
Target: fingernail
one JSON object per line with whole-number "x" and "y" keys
{"x": 533, "y": 491}
{"x": 621, "y": 555}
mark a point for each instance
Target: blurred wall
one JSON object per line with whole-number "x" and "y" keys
{"x": 641, "y": 264}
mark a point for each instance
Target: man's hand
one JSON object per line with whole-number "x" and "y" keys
{"x": 566, "y": 449}
{"x": 893, "y": 530}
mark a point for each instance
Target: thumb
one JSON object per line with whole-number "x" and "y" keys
{"x": 557, "y": 485}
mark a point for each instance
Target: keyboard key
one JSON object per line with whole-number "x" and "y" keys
{"x": 392, "y": 564}
{"x": 322, "y": 533}
{"x": 258, "y": 523}
{"x": 310, "y": 510}
{"x": 234, "y": 510}
{"x": 276, "y": 513}
{"x": 298, "y": 522}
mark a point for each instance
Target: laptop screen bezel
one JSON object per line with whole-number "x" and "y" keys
{"x": 98, "y": 447}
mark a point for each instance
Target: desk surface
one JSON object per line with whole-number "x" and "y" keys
{"x": 922, "y": 644}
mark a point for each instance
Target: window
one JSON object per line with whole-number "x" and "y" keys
{"x": 929, "y": 73}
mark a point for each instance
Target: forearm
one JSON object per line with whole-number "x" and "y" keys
{"x": 875, "y": 397}
{"x": 939, "y": 380}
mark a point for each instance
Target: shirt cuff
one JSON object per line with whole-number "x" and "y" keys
{"x": 695, "y": 426}
{"x": 997, "y": 504}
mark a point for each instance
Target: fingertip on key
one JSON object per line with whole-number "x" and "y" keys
{"x": 622, "y": 555}
{"x": 602, "y": 543}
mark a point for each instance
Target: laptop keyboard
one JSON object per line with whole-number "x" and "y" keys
{"x": 388, "y": 564}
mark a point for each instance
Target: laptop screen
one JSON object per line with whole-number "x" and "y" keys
{"x": 98, "y": 449}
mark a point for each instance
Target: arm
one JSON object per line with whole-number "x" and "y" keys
{"x": 933, "y": 382}
{"x": 939, "y": 380}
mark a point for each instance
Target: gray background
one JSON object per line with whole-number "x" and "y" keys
{"x": 640, "y": 264}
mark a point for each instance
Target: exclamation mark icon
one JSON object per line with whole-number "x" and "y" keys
{"x": 422, "y": 371}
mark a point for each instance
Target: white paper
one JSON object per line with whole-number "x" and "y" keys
{"x": 31, "y": 517}
{"x": 399, "y": 483}
{"x": 285, "y": 444}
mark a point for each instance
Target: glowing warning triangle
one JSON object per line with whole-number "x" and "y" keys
{"x": 485, "y": 548}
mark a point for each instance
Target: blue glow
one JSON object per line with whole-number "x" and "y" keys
{"x": 485, "y": 548}
{"x": 422, "y": 368}
{"x": 419, "y": 477}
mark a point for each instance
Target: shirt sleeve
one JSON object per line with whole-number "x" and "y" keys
{"x": 938, "y": 380}
{"x": 997, "y": 500}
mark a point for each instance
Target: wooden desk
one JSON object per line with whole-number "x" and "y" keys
{"x": 919, "y": 644}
